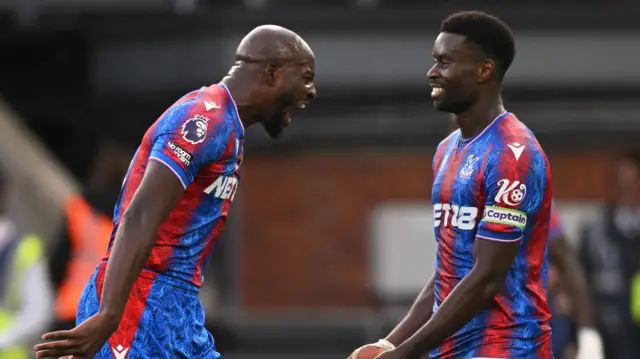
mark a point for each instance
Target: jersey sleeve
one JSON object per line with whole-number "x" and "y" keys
{"x": 515, "y": 181}
{"x": 185, "y": 141}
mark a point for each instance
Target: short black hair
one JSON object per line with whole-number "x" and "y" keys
{"x": 487, "y": 32}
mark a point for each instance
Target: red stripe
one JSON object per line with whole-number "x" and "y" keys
{"x": 494, "y": 338}
{"x": 478, "y": 181}
{"x": 444, "y": 148}
{"x": 211, "y": 241}
{"x": 446, "y": 270}
{"x": 218, "y": 167}
{"x": 545, "y": 350}
{"x": 136, "y": 303}
{"x": 173, "y": 227}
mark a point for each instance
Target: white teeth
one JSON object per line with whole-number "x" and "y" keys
{"x": 436, "y": 91}
{"x": 301, "y": 105}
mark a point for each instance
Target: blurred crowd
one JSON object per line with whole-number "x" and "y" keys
{"x": 39, "y": 286}
{"x": 609, "y": 252}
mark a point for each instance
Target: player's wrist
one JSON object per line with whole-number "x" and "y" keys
{"x": 384, "y": 343}
{"x": 411, "y": 349}
{"x": 110, "y": 318}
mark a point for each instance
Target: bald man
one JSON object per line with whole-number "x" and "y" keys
{"x": 142, "y": 300}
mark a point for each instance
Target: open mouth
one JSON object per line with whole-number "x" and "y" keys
{"x": 436, "y": 91}
{"x": 287, "y": 112}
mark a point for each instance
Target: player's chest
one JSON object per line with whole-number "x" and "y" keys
{"x": 459, "y": 177}
{"x": 220, "y": 180}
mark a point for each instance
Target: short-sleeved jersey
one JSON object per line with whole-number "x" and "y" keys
{"x": 200, "y": 139}
{"x": 497, "y": 187}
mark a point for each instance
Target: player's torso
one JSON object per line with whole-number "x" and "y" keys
{"x": 196, "y": 222}
{"x": 458, "y": 198}
{"x": 189, "y": 233}
{"x": 458, "y": 203}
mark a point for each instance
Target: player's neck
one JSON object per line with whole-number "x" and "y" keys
{"x": 478, "y": 117}
{"x": 241, "y": 91}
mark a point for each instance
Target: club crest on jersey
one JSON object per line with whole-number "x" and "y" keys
{"x": 194, "y": 130}
{"x": 511, "y": 193}
{"x": 467, "y": 169}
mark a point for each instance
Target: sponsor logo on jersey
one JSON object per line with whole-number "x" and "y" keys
{"x": 506, "y": 216}
{"x": 181, "y": 153}
{"x": 451, "y": 215}
{"x": 224, "y": 187}
{"x": 510, "y": 193}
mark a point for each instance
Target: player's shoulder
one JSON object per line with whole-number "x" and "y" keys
{"x": 452, "y": 137}
{"x": 199, "y": 114}
{"x": 512, "y": 136}
{"x": 442, "y": 147}
{"x": 216, "y": 101}
{"x": 510, "y": 129}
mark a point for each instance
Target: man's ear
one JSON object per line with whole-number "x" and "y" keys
{"x": 271, "y": 74}
{"x": 486, "y": 70}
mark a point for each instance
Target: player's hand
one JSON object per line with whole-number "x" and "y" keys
{"x": 81, "y": 342}
{"x": 382, "y": 344}
{"x": 589, "y": 344}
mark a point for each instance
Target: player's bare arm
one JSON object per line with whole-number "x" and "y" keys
{"x": 154, "y": 199}
{"x": 475, "y": 292}
{"x": 418, "y": 315}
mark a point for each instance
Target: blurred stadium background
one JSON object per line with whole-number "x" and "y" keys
{"x": 330, "y": 237}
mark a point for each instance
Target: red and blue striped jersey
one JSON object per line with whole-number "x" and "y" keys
{"x": 200, "y": 139}
{"x": 495, "y": 187}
